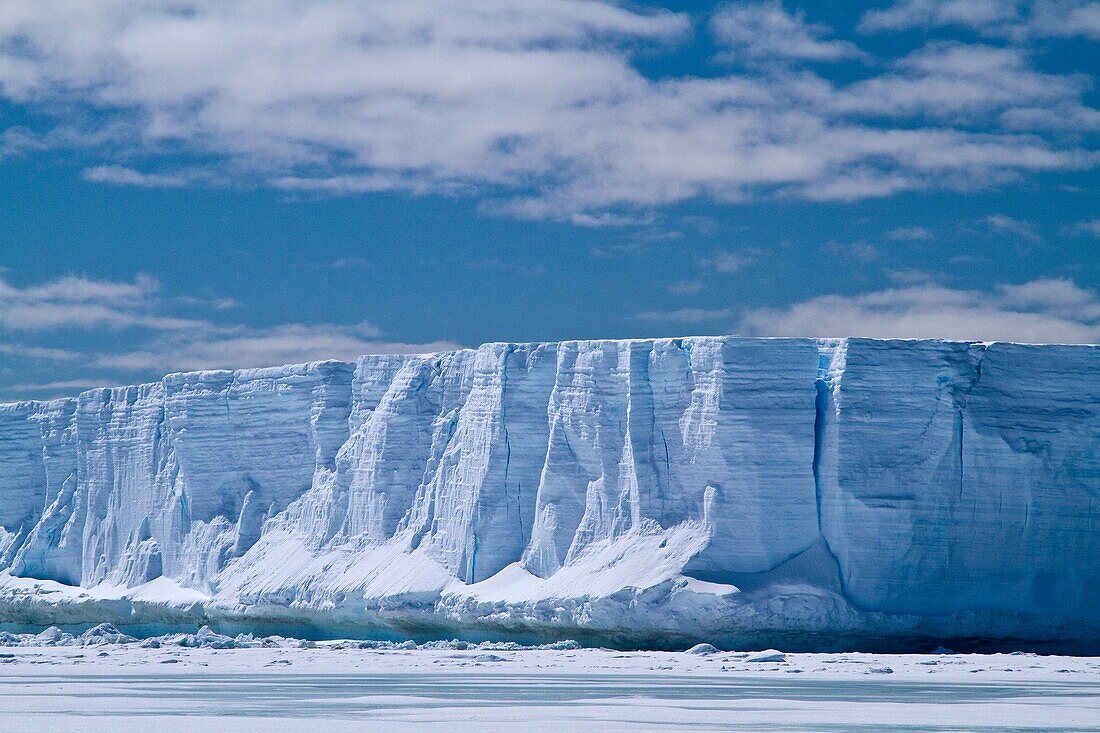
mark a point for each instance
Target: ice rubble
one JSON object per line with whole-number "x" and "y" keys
{"x": 647, "y": 492}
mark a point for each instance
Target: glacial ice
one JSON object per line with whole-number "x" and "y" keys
{"x": 780, "y": 492}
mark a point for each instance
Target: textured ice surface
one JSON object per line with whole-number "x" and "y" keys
{"x": 787, "y": 492}
{"x": 283, "y": 685}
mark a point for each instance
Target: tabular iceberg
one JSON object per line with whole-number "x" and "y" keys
{"x": 789, "y": 492}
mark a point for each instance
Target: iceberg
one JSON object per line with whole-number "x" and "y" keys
{"x": 790, "y": 493}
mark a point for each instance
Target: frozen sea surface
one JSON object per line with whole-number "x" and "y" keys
{"x": 127, "y": 688}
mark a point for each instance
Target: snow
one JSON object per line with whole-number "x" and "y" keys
{"x": 206, "y": 681}
{"x": 797, "y": 493}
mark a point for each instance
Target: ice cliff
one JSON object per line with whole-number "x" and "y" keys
{"x": 790, "y": 492}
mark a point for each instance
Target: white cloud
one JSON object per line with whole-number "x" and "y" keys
{"x": 764, "y": 30}
{"x": 80, "y": 302}
{"x": 38, "y": 352}
{"x": 687, "y": 315}
{"x": 1016, "y": 19}
{"x": 687, "y": 287}
{"x": 1092, "y": 226}
{"x": 542, "y": 109}
{"x": 727, "y": 261}
{"x": 1061, "y": 18}
{"x": 1040, "y": 311}
{"x": 1016, "y": 227}
{"x": 959, "y": 82}
{"x": 156, "y": 340}
{"x": 909, "y": 234}
{"x": 122, "y": 176}
{"x": 61, "y": 387}
{"x": 862, "y": 252}
{"x": 289, "y": 343}
{"x": 911, "y": 276}
{"x": 905, "y": 14}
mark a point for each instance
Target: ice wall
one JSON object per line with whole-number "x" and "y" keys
{"x": 720, "y": 488}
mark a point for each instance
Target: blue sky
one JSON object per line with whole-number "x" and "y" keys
{"x": 203, "y": 184}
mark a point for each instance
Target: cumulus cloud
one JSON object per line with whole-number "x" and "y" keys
{"x": 1040, "y": 311}
{"x": 535, "y": 108}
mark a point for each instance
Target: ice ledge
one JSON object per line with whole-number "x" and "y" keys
{"x": 203, "y": 375}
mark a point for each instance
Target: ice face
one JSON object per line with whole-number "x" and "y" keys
{"x": 702, "y": 488}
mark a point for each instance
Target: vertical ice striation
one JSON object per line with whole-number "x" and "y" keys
{"x": 37, "y": 474}
{"x": 850, "y": 486}
{"x": 967, "y": 477}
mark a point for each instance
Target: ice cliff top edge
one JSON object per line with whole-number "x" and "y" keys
{"x": 274, "y": 370}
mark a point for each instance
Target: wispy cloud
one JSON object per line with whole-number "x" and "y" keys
{"x": 288, "y": 343}
{"x": 859, "y": 251}
{"x": 1016, "y": 227}
{"x": 729, "y": 261}
{"x": 687, "y": 315}
{"x": 903, "y": 14}
{"x": 909, "y": 234}
{"x": 122, "y": 176}
{"x": 765, "y": 30}
{"x": 1092, "y": 226}
{"x": 687, "y": 287}
{"x": 496, "y": 264}
{"x": 1039, "y": 311}
{"x": 1004, "y": 18}
{"x": 38, "y": 323}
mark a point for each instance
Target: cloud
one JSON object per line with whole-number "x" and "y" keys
{"x": 1091, "y": 226}
{"x": 904, "y": 14}
{"x": 1062, "y": 18}
{"x": 1016, "y": 227}
{"x": 349, "y": 263}
{"x": 958, "y": 82}
{"x": 62, "y": 387}
{"x": 496, "y": 264}
{"x": 728, "y": 262}
{"x": 122, "y": 176}
{"x": 243, "y": 347}
{"x": 862, "y": 252}
{"x": 909, "y": 234}
{"x": 764, "y": 30}
{"x": 74, "y": 302}
{"x": 910, "y": 276}
{"x": 156, "y": 340}
{"x": 687, "y": 287}
{"x": 687, "y": 315}
{"x": 39, "y": 352}
{"x": 543, "y": 105}
{"x": 1018, "y": 19}
{"x": 1040, "y": 311}
{"x": 18, "y": 141}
